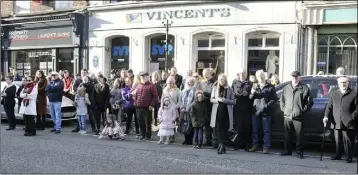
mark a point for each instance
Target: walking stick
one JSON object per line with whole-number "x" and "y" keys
{"x": 324, "y": 132}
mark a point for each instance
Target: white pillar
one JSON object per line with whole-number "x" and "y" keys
{"x": 309, "y": 50}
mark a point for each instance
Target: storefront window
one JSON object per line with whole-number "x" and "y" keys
{"x": 120, "y": 53}
{"x": 65, "y": 60}
{"x": 337, "y": 51}
{"x": 263, "y": 52}
{"x": 211, "y": 52}
{"x": 157, "y": 51}
{"x": 29, "y": 61}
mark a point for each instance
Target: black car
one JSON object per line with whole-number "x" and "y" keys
{"x": 320, "y": 87}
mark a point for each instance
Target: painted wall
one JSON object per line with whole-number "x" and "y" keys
{"x": 234, "y": 20}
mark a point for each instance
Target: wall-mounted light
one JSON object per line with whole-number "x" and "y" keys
{"x": 2, "y": 31}
{"x": 182, "y": 40}
{"x": 135, "y": 41}
{"x": 107, "y": 49}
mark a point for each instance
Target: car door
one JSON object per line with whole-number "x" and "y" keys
{"x": 320, "y": 94}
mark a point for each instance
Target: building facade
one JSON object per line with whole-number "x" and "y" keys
{"x": 330, "y": 29}
{"x": 221, "y": 36}
{"x": 43, "y": 35}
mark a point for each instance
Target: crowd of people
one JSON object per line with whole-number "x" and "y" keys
{"x": 195, "y": 106}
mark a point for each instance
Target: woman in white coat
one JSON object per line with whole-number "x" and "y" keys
{"x": 28, "y": 106}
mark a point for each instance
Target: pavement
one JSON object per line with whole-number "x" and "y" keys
{"x": 73, "y": 153}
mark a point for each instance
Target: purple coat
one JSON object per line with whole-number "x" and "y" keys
{"x": 128, "y": 101}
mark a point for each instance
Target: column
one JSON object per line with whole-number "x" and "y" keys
{"x": 315, "y": 51}
{"x": 76, "y": 52}
{"x": 54, "y": 60}
{"x": 310, "y": 51}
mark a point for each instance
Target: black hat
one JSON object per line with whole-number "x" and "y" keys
{"x": 295, "y": 73}
{"x": 144, "y": 74}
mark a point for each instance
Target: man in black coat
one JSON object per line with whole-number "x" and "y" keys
{"x": 178, "y": 78}
{"x": 295, "y": 102}
{"x": 342, "y": 112}
{"x": 242, "y": 110}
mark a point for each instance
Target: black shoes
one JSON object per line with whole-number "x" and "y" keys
{"x": 286, "y": 153}
{"x": 53, "y": 130}
{"x": 221, "y": 149}
{"x": 57, "y": 132}
{"x": 76, "y": 130}
{"x": 29, "y": 134}
{"x": 349, "y": 160}
{"x": 9, "y": 129}
{"x": 300, "y": 154}
{"x": 336, "y": 158}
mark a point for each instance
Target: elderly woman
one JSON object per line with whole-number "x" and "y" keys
{"x": 223, "y": 99}
{"x": 173, "y": 93}
{"x": 187, "y": 97}
{"x": 128, "y": 106}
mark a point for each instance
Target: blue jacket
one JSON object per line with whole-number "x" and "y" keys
{"x": 54, "y": 90}
{"x": 128, "y": 102}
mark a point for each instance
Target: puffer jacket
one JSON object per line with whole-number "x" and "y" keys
{"x": 198, "y": 112}
{"x": 294, "y": 102}
{"x": 263, "y": 99}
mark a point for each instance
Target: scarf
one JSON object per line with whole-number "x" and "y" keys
{"x": 29, "y": 87}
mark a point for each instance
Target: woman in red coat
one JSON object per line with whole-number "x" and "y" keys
{"x": 41, "y": 81}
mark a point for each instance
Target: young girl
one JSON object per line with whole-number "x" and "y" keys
{"x": 112, "y": 128}
{"x": 81, "y": 102}
{"x": 166, "y": 116}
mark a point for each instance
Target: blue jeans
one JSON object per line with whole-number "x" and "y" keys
{"x": 266, "y": 127}
{"x": 82, "y": 122}
{"x": 198, "y": 136}
{"x": 55, "y": 111}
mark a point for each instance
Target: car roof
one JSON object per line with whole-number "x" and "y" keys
{"x": 350, "y": 77}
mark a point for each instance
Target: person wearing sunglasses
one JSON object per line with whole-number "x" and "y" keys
{"x": 54, "y": 92}
{"x": 28, "y": 106}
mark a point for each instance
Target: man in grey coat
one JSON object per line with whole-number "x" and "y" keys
{"x": 295, "y": 102}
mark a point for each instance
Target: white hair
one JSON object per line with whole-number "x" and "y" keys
{"x": 261, "y": 73}
{"x": 342, "y": 79}
{"x": 340, "y": 71}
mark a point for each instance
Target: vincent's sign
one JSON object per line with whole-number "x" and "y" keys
{"x": 179, "y": 14}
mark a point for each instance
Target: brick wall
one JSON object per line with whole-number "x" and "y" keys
{"x": 36, "y": 6}
{"x": 6, "y": 7}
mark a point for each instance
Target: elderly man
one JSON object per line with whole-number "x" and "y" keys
{"x": 207, "y": 87}
{"x": 264, "y": 96}
{"x": 343, "y": 104}
{"x": 340, "y": 71}
{"x": 145, "y": 98}
{"x": 295, "y": 101}
{"x": 54, "y": 92}
{"x": 242, "y": 109}
{"x": 178, "y": 78}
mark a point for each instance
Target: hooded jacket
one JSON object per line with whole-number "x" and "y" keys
{"x": 198, "y": 111}
{"x": 167, "y": 115}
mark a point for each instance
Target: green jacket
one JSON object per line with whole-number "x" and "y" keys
{"x": 198, "y": 114}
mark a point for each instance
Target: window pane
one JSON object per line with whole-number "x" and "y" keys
{"x": 322, "y": 40}
{"x": 120, "y": 53}
{"x": 157, "y": 46}
{"x": 271, "y": 42}
{"x": 212, "y": 59}
{"x": 218, "y": 43}
{"x": 257, "y": 60}
{"x": 203, "y": 43}
{"x": 63, "y": 4}
{"x": 22, "y": 6}
{"x": 65, "y": 60}
{"x": 32, "y": 60}
{"x": 322, "y": 59}
{"x": 255, "y": 42}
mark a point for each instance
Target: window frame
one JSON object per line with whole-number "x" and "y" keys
{"x": 210, "y": 38}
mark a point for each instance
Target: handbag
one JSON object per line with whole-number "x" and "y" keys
{"x": 185, "y": 125}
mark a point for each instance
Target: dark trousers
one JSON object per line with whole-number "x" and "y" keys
{"x": 207, "y": 128}
{"x": 293, "y": 126}
{"x": 144, "y": 116}
{"x": 10, "y": 114}
{"x": 243, "y": 126}
{"x": 130, "y": 114}
{"x": 40, "y": 121}
{"x": 222, "y": 136}
{"x": 344, "y": 139}
{"x": 30, "y": 125}
{"x": 198, "y": 136}
{"x": 99, "y": 113}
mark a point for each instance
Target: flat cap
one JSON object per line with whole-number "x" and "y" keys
{"x": 295, "y": 73}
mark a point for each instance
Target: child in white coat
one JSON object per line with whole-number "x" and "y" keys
{"x": 166, "y": 116}
{"x": 81, "y": 102}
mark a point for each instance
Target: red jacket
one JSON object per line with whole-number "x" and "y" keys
{"x": 146, "y": 95}
{"x": 67, "y": 82}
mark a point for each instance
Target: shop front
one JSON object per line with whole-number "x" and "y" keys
{"x": 332, "y": 36}
{"x": 47, "y": 45}
{"x": 222, "y": 36}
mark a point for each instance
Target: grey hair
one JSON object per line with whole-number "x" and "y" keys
{"x": 260, "y": 73}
